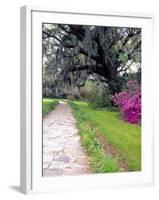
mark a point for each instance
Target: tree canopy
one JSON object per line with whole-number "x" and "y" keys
{"x": 74, "y": 53}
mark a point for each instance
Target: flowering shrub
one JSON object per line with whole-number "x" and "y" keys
{"x": 129, "y": 102}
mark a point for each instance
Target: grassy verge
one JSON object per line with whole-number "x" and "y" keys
{"x": 48, "y": 105}
{"x": 124, "y": 137}
{"x": 99, "y": 161}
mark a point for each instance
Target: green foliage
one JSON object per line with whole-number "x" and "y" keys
{"x": 99, "y": 162}
{"x": 117, "y": 85}
{"x": 104, "y": 163}
{"x": 123, "y": 58}
{"x": 125, "y": 137}
{"x": 70, "y": 97}
{"x": 71, "y": 53}
{"x": 73, "y": 94}
{"x": 97, "y": 94}
{"x": 132, "y": 76}
{"x": 48, "y": 105}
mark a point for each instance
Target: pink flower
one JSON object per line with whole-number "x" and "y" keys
{"x": 129, "y": 102}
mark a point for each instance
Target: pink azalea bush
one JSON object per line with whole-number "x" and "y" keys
{"x": 129, "y": 102}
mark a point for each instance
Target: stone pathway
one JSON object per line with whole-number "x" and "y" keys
{"x": 62, "y": 151}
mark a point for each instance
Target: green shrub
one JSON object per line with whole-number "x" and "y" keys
{"x": 96, "y": 93}
{"x": 70, "y": 97}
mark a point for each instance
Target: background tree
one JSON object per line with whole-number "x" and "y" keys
{"x": 74, "y": 53}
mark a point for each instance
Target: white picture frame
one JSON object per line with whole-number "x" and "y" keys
{"x": 31, "y": 91}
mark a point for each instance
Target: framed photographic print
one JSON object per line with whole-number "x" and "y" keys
{"x": 86, "y": 100}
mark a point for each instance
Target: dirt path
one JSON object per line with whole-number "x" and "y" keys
{"x": 62, "y": 151}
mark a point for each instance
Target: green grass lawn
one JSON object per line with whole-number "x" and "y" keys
{"x": 48, "y": 105}
{"x": 124, "y": 137}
